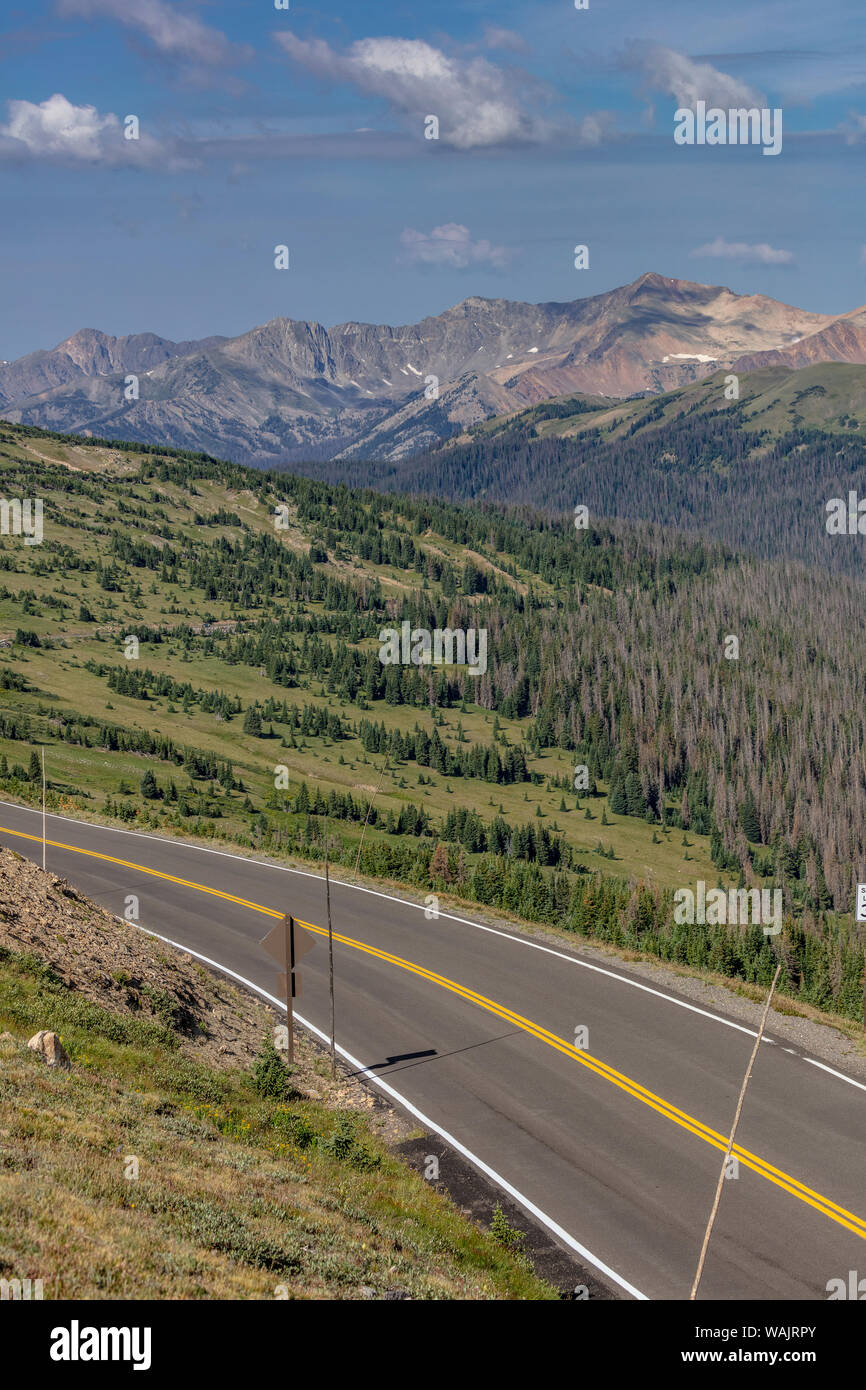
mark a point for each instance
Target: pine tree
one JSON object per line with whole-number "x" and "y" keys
{"x": 439, "y": 864}
{"x": 618, "y": 799}
{"x": 749, "y": 821}
{"x": 253, "y": 722}
{"x": 148, "y": 787}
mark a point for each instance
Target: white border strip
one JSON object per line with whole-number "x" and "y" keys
{"x": 405, "y": 902}
{"x": 841, "y": 1075}
{"x": 451, "y": 917}
{"x": 477, "y": 1162}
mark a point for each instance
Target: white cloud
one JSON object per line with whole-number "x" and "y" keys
{"x": 451, "y": 245}
{"x": 596, "y": 126}
{"x": 57, "y": 130}
{"x": 476, "y": 102}
{"x": 174, "y": 33}
{"x": 688, "y": 81}
{"x": 506, "y": 39}
{"x": 760, "y": 252}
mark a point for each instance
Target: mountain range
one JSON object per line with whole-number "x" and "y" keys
{"x": 291, "y": 390}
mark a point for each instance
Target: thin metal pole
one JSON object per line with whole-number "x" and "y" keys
{"x": 367, "y": 817}
{"x": 43, "y": 810}
{"x": 290, "y": 960}
{"x": 709, "y": 1230}
{"x": 330, "y": 957}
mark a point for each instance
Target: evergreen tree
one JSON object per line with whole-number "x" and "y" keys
{"x": 148, "y": 786}
{"x": 253, "y": 722}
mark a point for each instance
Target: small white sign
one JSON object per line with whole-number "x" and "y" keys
{"x": 861, "y": 902}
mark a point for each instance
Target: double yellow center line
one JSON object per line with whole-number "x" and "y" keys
{"x": 615, "y": 1078}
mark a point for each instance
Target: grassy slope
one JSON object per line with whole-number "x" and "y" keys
{"x": 237, "y": 1196}
{"x": 826, "y": 396}
{"x": 61, "y": 681}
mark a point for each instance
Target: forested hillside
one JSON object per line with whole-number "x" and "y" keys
{"x": 755, "y": 474}
{"x": 257, "y": 704}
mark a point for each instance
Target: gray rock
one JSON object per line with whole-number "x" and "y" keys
{"x": 50, "y": 1049}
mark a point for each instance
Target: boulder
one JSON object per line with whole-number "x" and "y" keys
{"x": 50, "y": 1048}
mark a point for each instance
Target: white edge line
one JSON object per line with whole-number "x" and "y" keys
{"x": 405, "y": 902}
{"x": 477, "y": 1162}
{"x": 450, "y": 916}
{"x": 833, "y": 1072}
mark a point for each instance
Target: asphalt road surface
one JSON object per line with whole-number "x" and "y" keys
{"x": 618, "y": 1144}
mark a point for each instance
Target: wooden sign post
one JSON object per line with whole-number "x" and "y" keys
{"x": 287, "y": 943}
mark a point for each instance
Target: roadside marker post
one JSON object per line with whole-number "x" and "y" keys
{"x": 287, "y": 943}
{"x": 44, "y": 842}
{"x": 330, "y": 958}
{"x": 860, "y": 916}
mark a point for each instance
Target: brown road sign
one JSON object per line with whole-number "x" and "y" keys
{"x": 300, "y": 944}
{"x": 303, "y": 942}
{"x": 287, "y": 943}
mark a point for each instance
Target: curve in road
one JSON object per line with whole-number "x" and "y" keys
{"x": 590, "y": 1150}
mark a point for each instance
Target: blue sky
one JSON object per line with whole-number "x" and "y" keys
{"x": 305, "y": 127}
